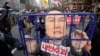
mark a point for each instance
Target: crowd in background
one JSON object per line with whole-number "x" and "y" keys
{"x": 26, "y": 24}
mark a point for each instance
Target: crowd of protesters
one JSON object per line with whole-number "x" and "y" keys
{"x": 27, "y": 22}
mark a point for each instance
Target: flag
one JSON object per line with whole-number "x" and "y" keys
{"x": 45, "y": 3}
{"x": 76, "y": 20}
{"x": 55, "y": 1}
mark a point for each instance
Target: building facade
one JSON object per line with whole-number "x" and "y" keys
{"x": 14, "y": 4}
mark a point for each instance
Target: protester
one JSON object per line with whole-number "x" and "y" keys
{"x": 95, "y": 50}
{"x": 56, "y": 28}
{"x": 4, "y": 50}
{"x": 5, "y": 28}
{"x": 26, "y": 25}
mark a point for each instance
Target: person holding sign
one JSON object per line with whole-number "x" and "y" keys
{"x": 56, "y": 28}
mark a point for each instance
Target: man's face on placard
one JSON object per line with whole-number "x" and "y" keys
{"x": 55, "y": 25}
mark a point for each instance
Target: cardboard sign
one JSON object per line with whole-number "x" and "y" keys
{"x": 75, "y": 20}
{"x": 53, "y": 49}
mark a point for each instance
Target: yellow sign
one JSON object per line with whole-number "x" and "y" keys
{"x": 45, "y": 3}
